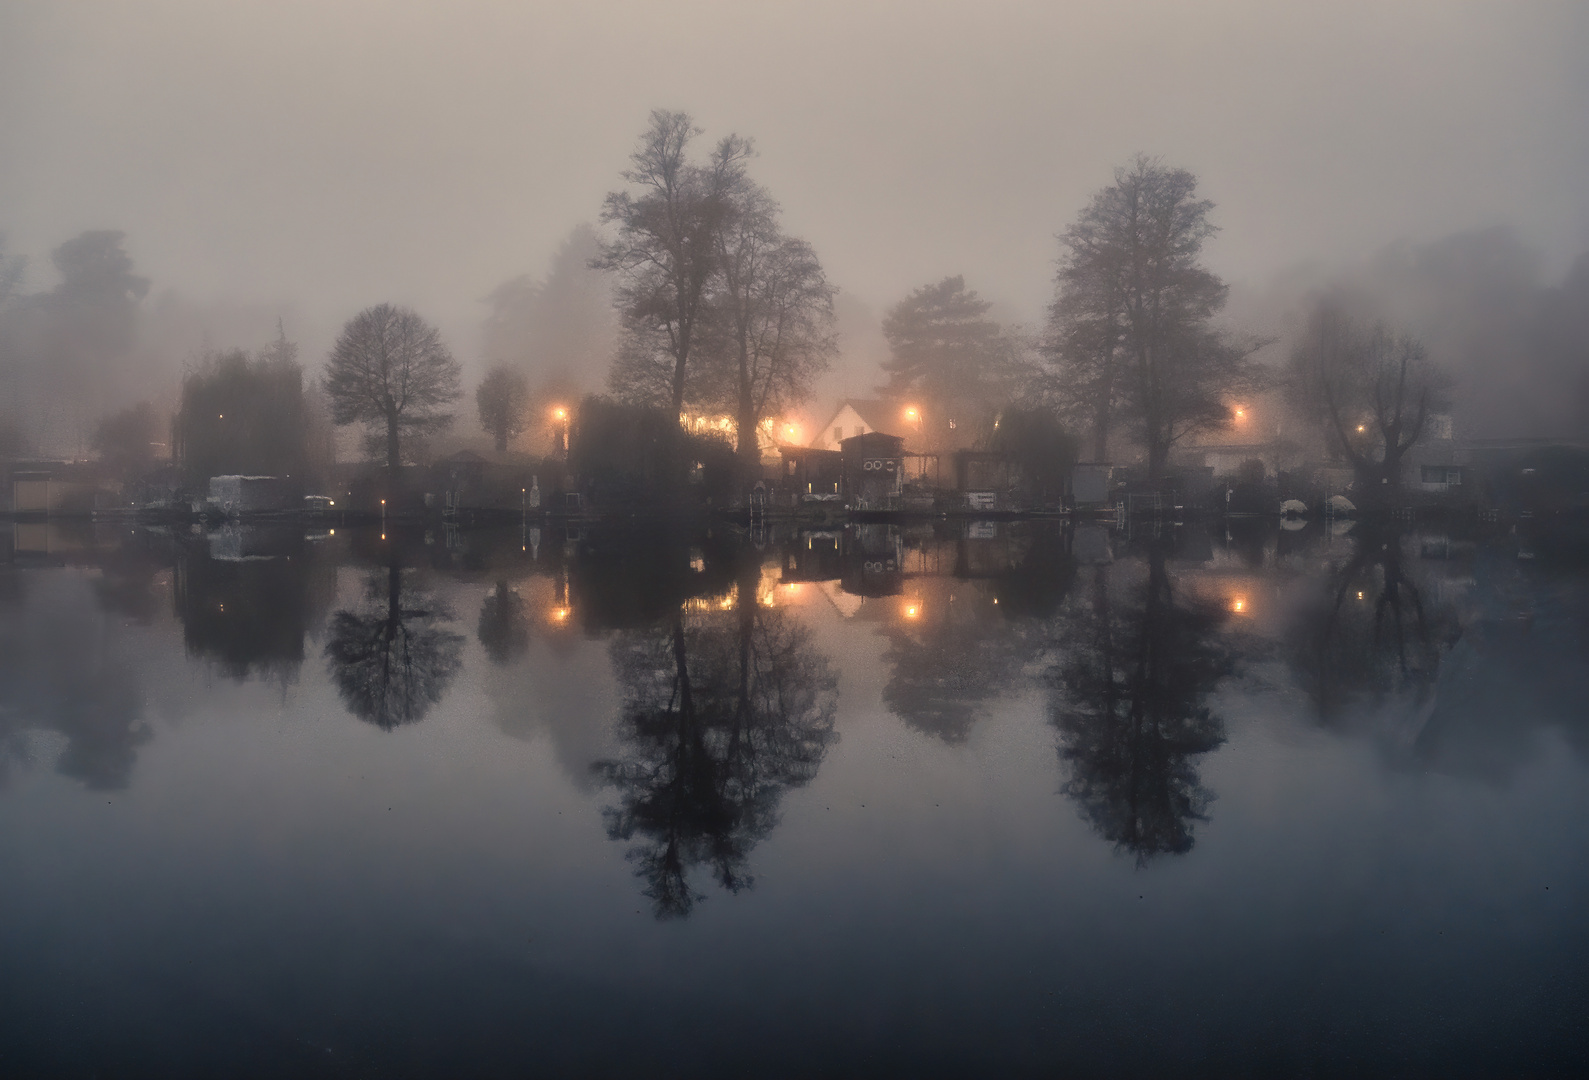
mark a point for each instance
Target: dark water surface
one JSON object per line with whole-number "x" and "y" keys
{"x": 956, "y": 800}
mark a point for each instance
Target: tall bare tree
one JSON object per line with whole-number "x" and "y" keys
{"x": 1130, "y": 329}
{"x": 390, "y": 367}
{"x": 1372, "y": 391}
{"x": 664, "y": 256}
{"x": 771, "y": 326}
{"x": 502, "y": 399}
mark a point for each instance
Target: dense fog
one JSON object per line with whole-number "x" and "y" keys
{"x": 181, "y": 179}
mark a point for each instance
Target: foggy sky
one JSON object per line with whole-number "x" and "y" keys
{"x": 324, "y": 156}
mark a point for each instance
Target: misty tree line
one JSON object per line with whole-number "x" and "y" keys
{"x": 696, "y": 302}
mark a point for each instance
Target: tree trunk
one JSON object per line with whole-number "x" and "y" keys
{"x": 749, "y": 445}
{"x": 1106, "y": 393}
{"x": 1158, "y": 458}
{"x": 678, "y": 388}
{"x": 394, "y": 454}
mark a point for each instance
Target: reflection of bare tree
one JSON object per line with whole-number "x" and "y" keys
{"x": 947, "y": 666}
{"x": 1129, "y": 708}
{"x": 392, "y": 663}
{"x": 504, "y": 629}
{"x": 1369, "y": 638}
{"x": 959, "y": 643}
{"x": 724, "y": 711}
{"x": 61, "y": 671}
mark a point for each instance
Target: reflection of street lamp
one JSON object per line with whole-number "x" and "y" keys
{"x": 913, "y": 414}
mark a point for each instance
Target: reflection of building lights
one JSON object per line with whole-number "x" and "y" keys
{"x": 383, "y": 536}
{"x": 912, "y": 611}
{"x": 1361, "y": 429}
{"x": 560, "y": 614}
{"x": 1239, "y": 605}
{"x": 1359, "y": 596}
{"x": 1241, "y": 414}
{"x": 560, "y": 412}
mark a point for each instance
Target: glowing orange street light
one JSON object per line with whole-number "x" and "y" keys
{"x": 912, "y": 611}
{"x": 1239, "y": 605}
{"x": 560, "y": 413}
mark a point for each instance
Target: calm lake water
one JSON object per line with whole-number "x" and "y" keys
{"x": 963, "y": 799}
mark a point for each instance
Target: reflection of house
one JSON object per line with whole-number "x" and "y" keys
{"x": 820, "y": 558}
{"x": 871, "y": 562}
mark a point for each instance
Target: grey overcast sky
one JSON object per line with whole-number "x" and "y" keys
{"x": 337, "y": 153}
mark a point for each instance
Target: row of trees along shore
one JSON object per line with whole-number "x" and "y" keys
{"x": 724, "y": 314}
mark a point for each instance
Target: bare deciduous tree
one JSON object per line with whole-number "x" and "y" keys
{"x": 1373, "y": 392}
{"x": 503, "y": 398}
{"x": 771, "y": 315}
{"x": 663, "y": 254}
{"x": 1130, "y": 327}
{"x": 390, "y": 367}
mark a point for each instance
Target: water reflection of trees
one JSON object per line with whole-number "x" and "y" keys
{"x": 392, "y": 661}
{"x": 504, "y": 629}
{"x": 725, "y": 709}
{"x": 249, "y": 600}
{"x": 1129, "y": 703}
{"x": 61, "y": 671}
{"x": 1367, "y": 637}
{"x": 959, "y": 642}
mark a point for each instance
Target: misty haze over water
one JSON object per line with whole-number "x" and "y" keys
{"x": 802, "y": 539}
{"x": 938, "y": 799}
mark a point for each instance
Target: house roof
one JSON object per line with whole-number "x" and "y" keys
{"x": 879, "y": 414}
